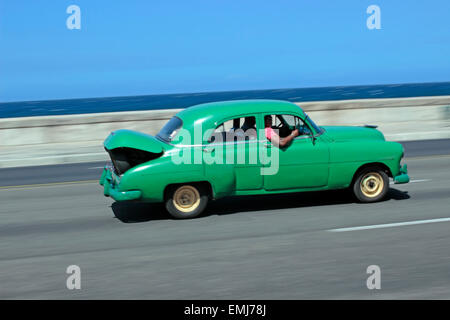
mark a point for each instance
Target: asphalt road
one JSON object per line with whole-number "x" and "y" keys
{"x": 92, "y": 170}
{"x": 261, "y": 247}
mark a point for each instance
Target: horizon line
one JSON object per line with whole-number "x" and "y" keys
{"x": 224, "y": 91}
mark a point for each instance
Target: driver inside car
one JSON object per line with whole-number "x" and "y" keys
{"x": 273, "y": 137}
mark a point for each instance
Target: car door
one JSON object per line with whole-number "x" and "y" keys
{"x": 302, "y": 164}
{"x": 235, "y": 151}
{"x": 247, "y": 164}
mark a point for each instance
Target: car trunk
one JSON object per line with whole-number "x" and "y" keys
{"x": 124, "y": 159}
{"x": 128, "y": 149}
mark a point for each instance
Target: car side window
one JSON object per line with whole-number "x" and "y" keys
{"x": 286, "y": 123}
{"x": 237, "y": 129}
{"x": 290, "y": 120}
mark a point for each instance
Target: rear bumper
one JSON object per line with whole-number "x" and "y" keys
{"x": 110, "y": 187}
{"x": 402, "y": 177}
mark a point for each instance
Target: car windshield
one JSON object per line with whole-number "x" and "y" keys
{"x": 315, "y": 126}
{"x": 170, "y": 129}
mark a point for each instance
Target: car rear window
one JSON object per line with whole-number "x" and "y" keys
{"x": 170, "y": 129}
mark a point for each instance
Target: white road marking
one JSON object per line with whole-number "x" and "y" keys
{"x": 389, "y": 225}
{"x": 414, "y": 181}
{"x": 96, "y": 167}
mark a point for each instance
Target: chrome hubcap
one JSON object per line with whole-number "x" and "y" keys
{"x": 372, "y": 184}
{"x": 186, "y": 198}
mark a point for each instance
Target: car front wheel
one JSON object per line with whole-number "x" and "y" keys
{"x": 371, "y": 185}
{"x": 186, "y": 201}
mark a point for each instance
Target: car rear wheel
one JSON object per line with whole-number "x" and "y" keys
{"x": 371, "y": 185}
{"x": 186, "y": 201}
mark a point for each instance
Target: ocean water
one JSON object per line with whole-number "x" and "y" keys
{"x": 174, "y": 101}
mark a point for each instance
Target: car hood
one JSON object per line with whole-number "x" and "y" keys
{"x": 133, "y": 139}
{"x": 341, "y": 133}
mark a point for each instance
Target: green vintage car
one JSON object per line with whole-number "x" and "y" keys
{"x": 222, "y": 149}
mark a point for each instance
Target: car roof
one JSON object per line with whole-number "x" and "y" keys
{"x": 215, "y": 111}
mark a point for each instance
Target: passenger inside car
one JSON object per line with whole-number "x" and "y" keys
{"x": 249, "y": 127}
{"x": 273, "y": 136}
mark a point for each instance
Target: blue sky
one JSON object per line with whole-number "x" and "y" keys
{"x": 150, "y": 47}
